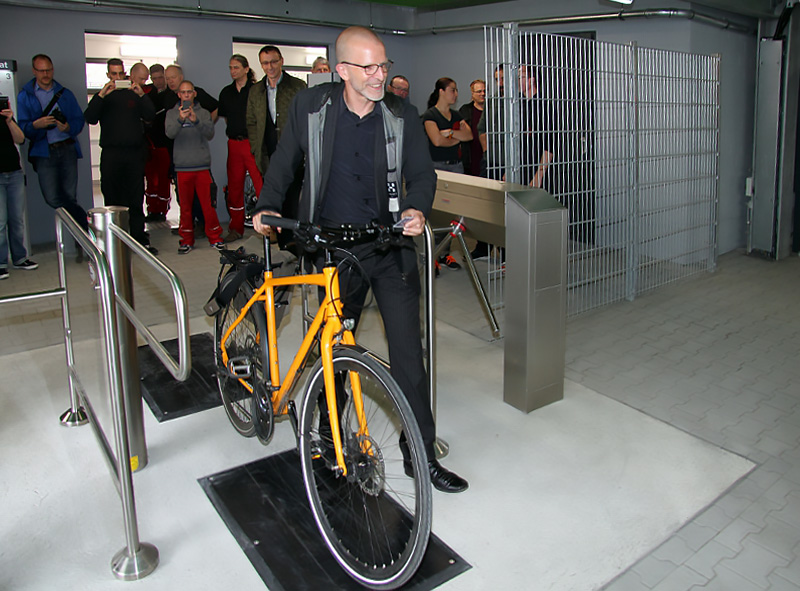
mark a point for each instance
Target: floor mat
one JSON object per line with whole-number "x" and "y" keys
{"x": 265, "y": 507}
{"x": 167, "y": 397}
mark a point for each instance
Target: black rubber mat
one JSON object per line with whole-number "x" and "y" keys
{"x": 265, "y": 507}
{"x": 169, "y": 398}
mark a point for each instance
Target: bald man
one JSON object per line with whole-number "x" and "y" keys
{"x": 347, "y": 183}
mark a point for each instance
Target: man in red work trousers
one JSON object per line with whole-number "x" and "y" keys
{"x": 233, "y": 107}
{"x": 156, "y": 169}
{"x": 191, "y": 126}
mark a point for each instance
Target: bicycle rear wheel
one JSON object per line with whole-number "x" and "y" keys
{"x": 247, "y": 345}
{"x": 375, "y": 520}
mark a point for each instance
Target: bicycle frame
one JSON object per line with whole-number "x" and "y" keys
{"x": 327, "y": 324}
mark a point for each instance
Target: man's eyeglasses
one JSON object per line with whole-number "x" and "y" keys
{"x": 371, "y": 69}
{"x": 399, "y": 88}
{"x": 43, "y": 71}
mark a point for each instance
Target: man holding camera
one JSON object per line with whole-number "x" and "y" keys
{"x": 51, "y": 119}
{"x": 120, "y": 107}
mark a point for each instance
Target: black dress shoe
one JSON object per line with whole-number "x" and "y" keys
{"x": 441, "y": 478}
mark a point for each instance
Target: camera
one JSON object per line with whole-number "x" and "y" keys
{"x": 59, "y": 116}
{"x": 4, "y": 103}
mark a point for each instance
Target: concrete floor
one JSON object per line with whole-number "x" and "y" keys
{"x": 672, "y": 463}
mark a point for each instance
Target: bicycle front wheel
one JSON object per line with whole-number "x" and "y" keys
{"x": 375, "y": 520}
{"x": 246, "y": 348}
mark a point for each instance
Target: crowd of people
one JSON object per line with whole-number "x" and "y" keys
{"x": 152, "y": 136}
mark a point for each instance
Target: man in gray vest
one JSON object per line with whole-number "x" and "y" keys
{"x": 340, "y": 131}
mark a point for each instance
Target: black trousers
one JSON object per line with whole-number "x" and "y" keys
{"x": 397, "y": 295}
{"x": 122, "y": 183}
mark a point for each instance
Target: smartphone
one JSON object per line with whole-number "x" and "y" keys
{"x": 122, "y": 84}
{"x": 4, "y": 103}
{"x": 400, "y": 224}
{"x": 186, "y": 105}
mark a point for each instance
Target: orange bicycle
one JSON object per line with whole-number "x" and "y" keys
{"x": 355, "y": 427}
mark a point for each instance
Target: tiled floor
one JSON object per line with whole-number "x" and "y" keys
{"x": 715, "y": 356}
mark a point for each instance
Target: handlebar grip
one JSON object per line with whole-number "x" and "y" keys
{"x": 279, "y": 222}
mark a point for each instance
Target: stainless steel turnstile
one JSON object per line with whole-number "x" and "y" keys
{"x": 533, "y": 227}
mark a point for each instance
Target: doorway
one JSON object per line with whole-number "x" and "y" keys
{"x": 297, "y": 59}
{"x": 131, "y": 49}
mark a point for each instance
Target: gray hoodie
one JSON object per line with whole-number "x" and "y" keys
{"x": 190, "y": 151}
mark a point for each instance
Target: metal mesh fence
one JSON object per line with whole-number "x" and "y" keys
{"x": 625, "y": 137}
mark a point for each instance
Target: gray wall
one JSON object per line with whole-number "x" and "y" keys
{"x": 736, "y": 97}
{"x": 204, "y": 46}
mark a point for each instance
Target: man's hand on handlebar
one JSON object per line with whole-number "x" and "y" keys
{"x": 262, "y": 228}
{"x": 415, "y": 225}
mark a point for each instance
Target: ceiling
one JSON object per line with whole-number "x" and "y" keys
{"x": 428, "y": 5}
{"x": 756, "y": 8}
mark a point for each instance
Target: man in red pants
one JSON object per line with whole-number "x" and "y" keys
{"x": 156, "y": 170}
{"x": 233, "y": 107}
{"x": 191, "y": 127}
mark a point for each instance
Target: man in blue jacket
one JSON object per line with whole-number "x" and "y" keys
{"x": 51, "y": 119}
{"x": 341, "y": 131}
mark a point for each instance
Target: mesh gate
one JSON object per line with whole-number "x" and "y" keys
{"x": 626, "y": 138}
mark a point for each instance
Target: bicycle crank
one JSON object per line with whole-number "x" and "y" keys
{"x": 263, "y": 414}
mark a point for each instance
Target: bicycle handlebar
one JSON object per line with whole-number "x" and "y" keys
{"x": 279, "y": 222}
{"x": 331, "y": 238}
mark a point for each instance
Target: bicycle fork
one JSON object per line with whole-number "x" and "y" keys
{"x": 332, "y": 333}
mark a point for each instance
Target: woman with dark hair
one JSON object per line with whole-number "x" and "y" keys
{"x": 233, "y": 107}
{"x": 445, "y": 127}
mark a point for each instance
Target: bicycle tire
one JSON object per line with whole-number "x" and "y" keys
{"x": 376, "y": 521}
{"x": 248, "y": 340}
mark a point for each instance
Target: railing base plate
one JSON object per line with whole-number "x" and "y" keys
{"x": 132, "y": 568}
{"x": 74, "y": 418}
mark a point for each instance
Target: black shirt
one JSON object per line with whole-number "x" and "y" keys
{"x": 155, "y": 130}
{"x": 449, "y": 153}
{"x": 9, "y": 157}
{"x": 120, "y": 114}
{"x": 350, "y": 196}
{"x": 233, "y": 106}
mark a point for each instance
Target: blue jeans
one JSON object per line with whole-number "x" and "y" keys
{"x": 58, "y": 180}
{"x": 12, "y": 217}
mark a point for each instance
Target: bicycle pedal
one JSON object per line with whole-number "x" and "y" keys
{"x": 239, "y": 367}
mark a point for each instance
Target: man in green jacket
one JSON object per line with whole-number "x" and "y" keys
{"x": 268, "y": 105}
{"x": 267, "y": 114}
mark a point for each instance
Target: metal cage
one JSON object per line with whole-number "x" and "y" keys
{"x": 625, "y": 137}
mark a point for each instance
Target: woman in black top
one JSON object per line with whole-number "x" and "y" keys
{"x": 445, "y": 127}
{"x": 12, "y": 197}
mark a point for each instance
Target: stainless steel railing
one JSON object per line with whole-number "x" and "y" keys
{"x": 108, "y": 250}
{"x": 137, "y": 559}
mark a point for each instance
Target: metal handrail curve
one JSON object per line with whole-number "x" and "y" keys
{"x": 182, "y": 368}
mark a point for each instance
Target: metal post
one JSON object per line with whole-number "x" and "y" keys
{"x": 511, "y": 112}
{"x": 75, "y": 415}
{"x": 440, "y": 446}
{"x": 632, "y": 275}
{"x": 119, "y": 261}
